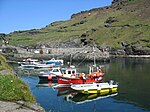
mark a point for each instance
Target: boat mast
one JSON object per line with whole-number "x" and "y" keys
{"x": 94, "y": 56}
{"x": 70, "y": 59}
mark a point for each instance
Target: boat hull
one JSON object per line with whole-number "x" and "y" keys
{"x": 101, "y": 92}
{"x": 28, "y": 65}
{"x": 42, "y": 77}
{"x": 69, "y": 81}
{"x": 98, "y": 88}
{"x": 38, "y": 66}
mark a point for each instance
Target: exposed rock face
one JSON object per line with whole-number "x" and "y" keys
{"x": 123, "y": 20}
{"x": 109, "y": 21}
{"x": 133, "y": 49}
{"x": 119, "y": 2}
{"x": 19, "y": 106}
{"x": 9, "y": 50}
{"x": 74, "y": 43}
{"x": 5, "y": 72}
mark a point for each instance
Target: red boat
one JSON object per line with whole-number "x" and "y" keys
{"x": 95, "y": 77}
{"x": 73, "y": 78}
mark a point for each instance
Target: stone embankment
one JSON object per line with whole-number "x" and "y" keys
{"x": 79, "y": 53}
{"x": 10, "y": 103}
{"x": 19, "y": 106}
{"x": 86, "y": 53}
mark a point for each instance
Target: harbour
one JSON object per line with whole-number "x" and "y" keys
{"x": 133, "y": 91}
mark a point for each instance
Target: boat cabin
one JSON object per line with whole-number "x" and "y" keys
{"x": 56, "y": 71}
{"x": 67, "y": 72}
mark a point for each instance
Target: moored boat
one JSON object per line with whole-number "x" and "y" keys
{"x": 28, "y": 63}
{"x": 49, "y": 64}
{"x": 50, "y": 75}
{"x": 69, "y": 81}
{"x": 99, "y": 88}
{"x": 82, "y": 78}
{"x": 35, "y": 64}
{"x": 57, "y": 71}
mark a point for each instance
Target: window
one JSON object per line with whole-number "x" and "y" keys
{"x": 69, "y": 72}
{"x": 55, "y": 70}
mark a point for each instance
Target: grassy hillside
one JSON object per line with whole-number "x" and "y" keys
{"x": 124, "y": 21}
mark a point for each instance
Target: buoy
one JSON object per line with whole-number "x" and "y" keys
{"x": 49, "y": 77}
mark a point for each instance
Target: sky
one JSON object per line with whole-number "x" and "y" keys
{"x": 34, "y": 14}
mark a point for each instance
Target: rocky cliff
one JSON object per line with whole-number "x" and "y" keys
{"x": 122, "y": 28}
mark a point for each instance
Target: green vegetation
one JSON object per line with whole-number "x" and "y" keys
{"x": 129, "y": 22}
{"x": 4, "y": 65}
{"x": 11, "y": 87}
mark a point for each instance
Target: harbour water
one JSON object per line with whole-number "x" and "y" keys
{"x": 133, "y": 75}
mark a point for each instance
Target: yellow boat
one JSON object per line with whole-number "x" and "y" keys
{"x": 101, "y": 92}
{"x": 98, "y": 88}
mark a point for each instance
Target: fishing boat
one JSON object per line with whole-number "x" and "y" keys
{"x": 28, "y": 63}
{"x": 51, "y": 74}
{"x": 57, "y": 71}
{"x": 49, "y": 64}
{"x": 69, "y": 81}
{"x": 81, "y": 78}
{"x": 95, "y": 75}
{"x": 98, "y": 88}
{"x": 71, "y": 95}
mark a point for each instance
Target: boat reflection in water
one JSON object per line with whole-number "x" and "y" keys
{"x": 74, "y": 96}
{"x": 133, "y": 91}
{"x": 80, "y": 98}
{"x": 71, "y": 95}
{"x": 46, "y": 83}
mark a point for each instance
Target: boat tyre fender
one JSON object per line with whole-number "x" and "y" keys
{"x": 94, "y": 75}
{"x": 100, "y": 78}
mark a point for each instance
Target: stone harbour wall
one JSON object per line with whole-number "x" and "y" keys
{"x": 87, "y": 53}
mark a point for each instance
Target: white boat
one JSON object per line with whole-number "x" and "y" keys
{"x": 34, "y": 63}
{"x": 99, "y": 88}
{"x": 28, "y": 63}
{"x": 43, "y": 65}
{"x": 49, "y": 64}
{"x": 57, "y": 71}
{"x": 50, "y": 74}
